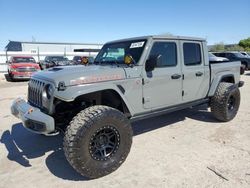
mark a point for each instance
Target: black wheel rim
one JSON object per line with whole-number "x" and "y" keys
{"x": 231, "y": 103}
{"x": 104, "y": 143}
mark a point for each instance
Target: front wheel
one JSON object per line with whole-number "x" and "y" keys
{"x": 225, "y": 102}
{"x": 97, "y": 141}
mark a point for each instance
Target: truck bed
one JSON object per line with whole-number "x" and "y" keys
{"x": 218, "y": 70}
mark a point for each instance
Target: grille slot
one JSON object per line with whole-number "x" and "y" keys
{"x": 35, "y": 91}
{"x": 26, "y": 69}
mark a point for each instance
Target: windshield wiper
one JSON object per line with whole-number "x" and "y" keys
{"x": 96, "y": 62}
{"x": 115, "y": 62}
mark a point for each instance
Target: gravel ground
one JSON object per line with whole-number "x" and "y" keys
{"x": 181, "y": 149}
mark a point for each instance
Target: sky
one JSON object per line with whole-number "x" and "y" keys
{"x": 99, "y": 21}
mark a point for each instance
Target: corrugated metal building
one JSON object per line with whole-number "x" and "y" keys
{"x": 34, "y": 47}
{"x": 39, "y": 50}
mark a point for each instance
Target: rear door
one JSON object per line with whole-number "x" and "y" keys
{"x": 193, "y": 69}
{"x": 162, "y": 87}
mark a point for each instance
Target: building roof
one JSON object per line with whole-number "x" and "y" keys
{"x": 17, "y": 45}
{"x": 60, "y": 43}
{"x": 13, "y": 46}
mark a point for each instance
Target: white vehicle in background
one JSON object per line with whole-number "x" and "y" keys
{"x": 246, "y": 54}
{"x": 214, "y": 58}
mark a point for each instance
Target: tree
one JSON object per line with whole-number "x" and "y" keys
{"x": 234, "y": 48}
{"x": 218, "y": 47}
{"x": 245, "y": 43}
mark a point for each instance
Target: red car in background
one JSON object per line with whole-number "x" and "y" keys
{"x": 21, "y": 67}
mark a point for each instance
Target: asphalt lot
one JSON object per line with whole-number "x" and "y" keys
{"x": 188, "y": 148}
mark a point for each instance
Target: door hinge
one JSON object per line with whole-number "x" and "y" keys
{"x": 143, "y": 100}
{"x": 182, "y": 93}
{"x": 183, "y": 77}
{"x": 142, "y": 81}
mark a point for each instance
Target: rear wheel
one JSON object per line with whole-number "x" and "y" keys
{"x": 245, "y": 64}
{"x": 97, "y": 141}
{"x": 225, "y": 102}
{"x": 242, "y": 69}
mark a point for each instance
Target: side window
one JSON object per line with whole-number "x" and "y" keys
{"x": 222, "y": 55}
{"x": 192, "y": 54}
{"x": 228, "y": 55}
{"x": 167, "y": 53}
{"x": 233, "y": 56}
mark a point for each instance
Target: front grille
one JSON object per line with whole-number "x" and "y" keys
{"x": 26, "y": 69}
{"x": 35, "y": 91}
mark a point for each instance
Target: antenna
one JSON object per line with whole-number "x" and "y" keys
{"x": 33, "y": 39}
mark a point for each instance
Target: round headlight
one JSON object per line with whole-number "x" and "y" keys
{"x": 47, "y": 91}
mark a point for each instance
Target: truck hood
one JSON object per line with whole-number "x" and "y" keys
{"x": 80, "y": 74}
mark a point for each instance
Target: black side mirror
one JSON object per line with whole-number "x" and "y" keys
{"x": 152, "y": 62}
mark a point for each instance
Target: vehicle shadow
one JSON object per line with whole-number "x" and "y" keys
{"x": 247, "y": 74}
{"x": 7, "y": 78}
{"x": 199, "y": 113}
{"x": 23, "y": 145}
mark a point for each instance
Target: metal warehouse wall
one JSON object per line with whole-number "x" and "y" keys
{"x": 39, "y": 50}
{"x": 57, "y": 47}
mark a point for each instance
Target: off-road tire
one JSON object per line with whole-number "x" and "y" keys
{"x": 79, "y": 136}
{"x": 220, "y": 101}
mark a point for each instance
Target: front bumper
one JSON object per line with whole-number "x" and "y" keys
{"x": 22, "y": 75}
{"x": 33, "y": 119}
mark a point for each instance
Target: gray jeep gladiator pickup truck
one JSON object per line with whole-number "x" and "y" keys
{"x": 129, "y": 80}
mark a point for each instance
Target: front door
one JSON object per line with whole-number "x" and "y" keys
{"x": 163, "y": 86}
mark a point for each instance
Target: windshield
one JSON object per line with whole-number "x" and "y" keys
{"x": 24, "y": 59}
{"x": 115, "y": 52}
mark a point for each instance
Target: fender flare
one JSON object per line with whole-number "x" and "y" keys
{"x": 72, "y": 92}
{"x": 215, "y": 82}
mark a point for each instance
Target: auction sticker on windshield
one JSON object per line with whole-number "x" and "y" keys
{"x": 137, "y": 44}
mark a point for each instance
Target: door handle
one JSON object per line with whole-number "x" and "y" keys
{"x": 175, "y": 76}
{"x": 199, "y": 74}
